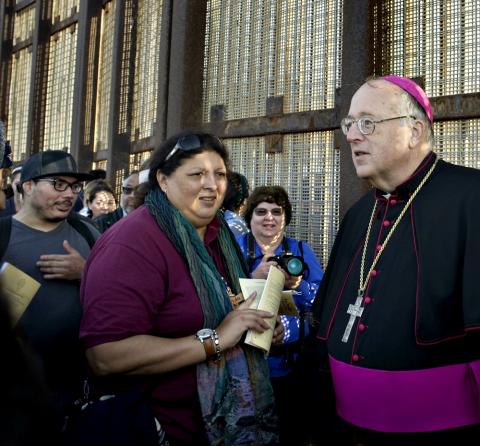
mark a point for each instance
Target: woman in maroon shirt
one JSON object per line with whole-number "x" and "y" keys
{"x": 159, "y": 297}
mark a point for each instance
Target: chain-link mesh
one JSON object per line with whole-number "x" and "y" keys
{"x": 436, "y": 39}
{"x": 104, "y": 77}
{"x": 63, "y": 9}
{"x": 255, "y": 49}
{"x": 19, "y": 102}
{"x": 62, "y": 55}
{"x": 147, "y": 57}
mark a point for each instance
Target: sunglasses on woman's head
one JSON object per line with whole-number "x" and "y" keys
{"x": 190, "y": 143}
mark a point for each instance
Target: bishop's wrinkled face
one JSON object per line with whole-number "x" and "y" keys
{"x": 197, "y": 187}
{"x": 383, "y": 157}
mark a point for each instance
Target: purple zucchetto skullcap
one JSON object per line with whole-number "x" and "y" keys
{"x": 413, "y": 89}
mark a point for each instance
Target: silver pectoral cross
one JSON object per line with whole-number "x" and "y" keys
{"x": 354, "y": 311}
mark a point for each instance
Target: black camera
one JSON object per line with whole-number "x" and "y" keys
{"x": 293, "y": 265}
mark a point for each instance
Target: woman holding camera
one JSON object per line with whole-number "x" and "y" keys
{"x": 268, "y": 212}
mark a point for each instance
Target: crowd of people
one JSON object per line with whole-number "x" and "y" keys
{"x": 145, "y": 296}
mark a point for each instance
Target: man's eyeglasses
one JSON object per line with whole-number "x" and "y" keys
{"x": 62, "y": 186}
{"x": 366, "y": 126}
{"x": 262, "y": 212}
{"x": 190, "y": 143}
{"x": 127, "y": 190}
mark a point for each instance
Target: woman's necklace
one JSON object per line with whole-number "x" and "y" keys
{"x": 356, "y": 310}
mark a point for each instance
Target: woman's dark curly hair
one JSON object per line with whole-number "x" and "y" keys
{"x": 268, "y": 194}
{"x": 95, "y": 187}
{"x": 237, "y": 191}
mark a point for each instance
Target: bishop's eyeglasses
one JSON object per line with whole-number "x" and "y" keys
{"x": 366, "y": 126}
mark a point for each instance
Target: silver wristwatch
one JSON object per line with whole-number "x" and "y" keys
{"x": 210, "y": 341}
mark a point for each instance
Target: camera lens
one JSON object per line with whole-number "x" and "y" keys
{"x": 295, "y": 266}
{"x": 291, "y": 264}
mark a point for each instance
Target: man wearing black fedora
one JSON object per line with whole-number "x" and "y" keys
{"x": 50, "y": 243}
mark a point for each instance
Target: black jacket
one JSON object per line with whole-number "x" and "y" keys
{"x": 105, "y": 221}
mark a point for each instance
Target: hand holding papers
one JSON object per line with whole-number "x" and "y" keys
{"x": 270, "y": 297}
{"x": 18, "y": 288}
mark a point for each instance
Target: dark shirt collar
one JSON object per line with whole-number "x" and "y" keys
{"x": 212, "y": 231}
{"x": 213, "y": 246}
{"x": 405, "y": 189}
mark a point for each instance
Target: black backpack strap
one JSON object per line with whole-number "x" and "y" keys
{"x": 251, "y": 252}
{"x": 286, "y": 246}
{"x": 305, "y": 264}
{"x": 82, "y": 229}
{"x": 5, "y": 231}
{"x": 76, "y": 223}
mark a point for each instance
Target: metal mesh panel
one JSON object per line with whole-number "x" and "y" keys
{"x": 125, "y": 68}
{"x": 91, "y": 81}
{"x": 137, "y": 159}
{"x": 59, "y": 92}
{"x": 102, "y": 164}
{"x": 19, "y": 102}
{"x": 117, "y": 182}
{"x": 104, "y": 79}
{"x": 458, "y": 142}
{"x": 145, "y": 88}
{"x": 23, "y": 24}
{"x": 62, "y": 9}
{"x": 309, "y": 169}
{"x": 438, "y": 39}
{"x": 255, "y": 49}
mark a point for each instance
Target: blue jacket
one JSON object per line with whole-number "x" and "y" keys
{"x": 280, "y": 365}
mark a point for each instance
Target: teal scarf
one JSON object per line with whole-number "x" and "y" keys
{"x": 235, "y": 394}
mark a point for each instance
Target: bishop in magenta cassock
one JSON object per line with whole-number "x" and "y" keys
{"x": 399, "y": 305}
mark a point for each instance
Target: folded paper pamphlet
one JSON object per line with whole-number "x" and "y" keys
{"x": 18, "y": 288}
{"x": 270, "y": 297}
